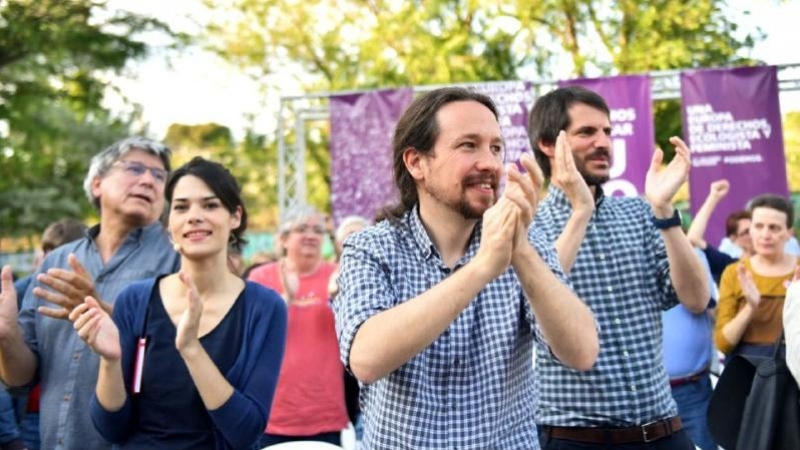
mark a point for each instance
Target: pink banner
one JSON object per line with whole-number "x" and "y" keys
{"x": 732, "y": 121}
{"x": 362, "y": 126}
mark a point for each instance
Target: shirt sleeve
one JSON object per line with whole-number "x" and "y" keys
{"x": 727, "y": 307}
{"x": 364, "y": 291}
{"x": 243, "y": 418}
{"x": 115, "y": 426}
{"x": 791, "y": 326}
{"x": 547, "y": 252}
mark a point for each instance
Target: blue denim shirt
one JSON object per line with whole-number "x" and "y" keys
{"x": 67, "y": 367}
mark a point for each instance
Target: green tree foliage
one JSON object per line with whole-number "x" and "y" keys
{"x": 634, "y": 36}
{"x": 252, "y": 162}
{"x": 55, "y": 61}
{"x": 791, "y": 144}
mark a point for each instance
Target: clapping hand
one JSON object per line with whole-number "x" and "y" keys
{"x": 97, "y": 329}
{"x": 8, "y": 303}
{"x": 69, "y": 289}
{"x": 662, "y": 184}
{"x": 749, "y": 288}
{"x": 188, "y": 332}
{"x": 567, "y": 177}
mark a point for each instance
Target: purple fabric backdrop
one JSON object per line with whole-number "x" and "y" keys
{"x": 362, "y": 126}
{"x": 632, "y": 134}
{"x": 513, "y": 100}
{"x": 732, "y": 121}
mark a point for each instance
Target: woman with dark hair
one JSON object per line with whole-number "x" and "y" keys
{"x": 189, "y": 360}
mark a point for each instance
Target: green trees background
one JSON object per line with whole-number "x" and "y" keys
{"x": 56, "y": 58}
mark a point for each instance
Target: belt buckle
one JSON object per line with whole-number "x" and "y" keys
{"x": 644, "y": 431}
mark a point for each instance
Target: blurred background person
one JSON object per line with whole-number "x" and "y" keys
{"x": 752, "y": 291}
{"x": 309, "y": 402}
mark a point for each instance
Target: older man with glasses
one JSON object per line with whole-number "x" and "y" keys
{"x": 125, "y": 183}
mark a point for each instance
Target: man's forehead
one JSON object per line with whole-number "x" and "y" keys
{"x": 465, "y": 119}
{"x": 140, "y": 155}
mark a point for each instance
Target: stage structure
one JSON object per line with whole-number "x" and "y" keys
{"x": 298, "y": 112}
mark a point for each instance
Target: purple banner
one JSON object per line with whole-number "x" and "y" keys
{"x": 513, "y": 100}
{"x": 632, "y": 133}
{"x": 732, "y": 121}
{"x": 362, "y": 126}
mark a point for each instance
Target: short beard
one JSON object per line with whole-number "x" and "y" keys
{"x": 468, "y": 211}
{"x": 595, "y": 180}
{"x": 462, "y": 205}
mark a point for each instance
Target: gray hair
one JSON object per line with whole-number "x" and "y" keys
{"x": 299, "y": 214}
{"x": 347, "y": 222}
{"x": 101, "y": 162}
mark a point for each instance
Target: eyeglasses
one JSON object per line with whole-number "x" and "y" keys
{"x": 136, "y": 169}
{"x": 305, "y": 228}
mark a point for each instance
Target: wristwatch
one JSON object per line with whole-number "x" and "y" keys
{"x": 663, "y": 224}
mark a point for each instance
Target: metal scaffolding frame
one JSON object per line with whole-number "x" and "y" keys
{"x": 297, "y": 111}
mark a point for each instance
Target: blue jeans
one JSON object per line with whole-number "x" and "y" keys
{"x": 9, "y": 430}
{"x": 692, "y": 400}
{"x": 29, "y": 430}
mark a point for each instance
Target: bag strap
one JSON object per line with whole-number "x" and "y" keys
{"x": 778, "y": 344}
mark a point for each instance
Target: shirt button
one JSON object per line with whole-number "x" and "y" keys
{"x": 617, "y": 321}
{"x": 76, "y": 356}
{"x": 625, "y": 353}
{"x": 66, "y": 398}
{"x": 602, "y": 256}
{"x": 633, "y": 388}
{"x": 610, "y": 289}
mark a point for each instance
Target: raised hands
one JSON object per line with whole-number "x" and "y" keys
{"x": 567, "y": 177}
{"x": 69, "y": 289}
{"x": 8, "y": 303}
{"x": 662, "y": 184}
{"x": 525, "y": 191}
{"x": 718, "y": 189}
{"x": 497, "y": 236}
{"x": 97, "y": 329}
{"x": 188, "y": 332}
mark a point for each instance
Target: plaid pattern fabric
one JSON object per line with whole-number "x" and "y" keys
{"x": 622, "y": 274}
{"x": 473, "y": 387}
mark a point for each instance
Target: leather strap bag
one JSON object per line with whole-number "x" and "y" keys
{"x": 756, "y": 404}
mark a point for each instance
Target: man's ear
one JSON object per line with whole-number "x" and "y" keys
{"x": 414, "y": 162}
{"x": 95, "y": 186}
{"x": 547, "y": 149}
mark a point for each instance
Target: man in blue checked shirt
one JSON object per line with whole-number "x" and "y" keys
{"x": 441, "y": 302}
{"x": 629, "y": 260}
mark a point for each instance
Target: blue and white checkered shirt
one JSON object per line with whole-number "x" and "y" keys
{"x": 472, "y": 388}
{"x": 622, "y": 274}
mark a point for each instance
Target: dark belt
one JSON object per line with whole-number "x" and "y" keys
{"x": 690, "y": 379}
{"x": 648, "y": 432}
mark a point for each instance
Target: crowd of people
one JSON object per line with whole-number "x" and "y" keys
{"x": 147, "y": 330}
